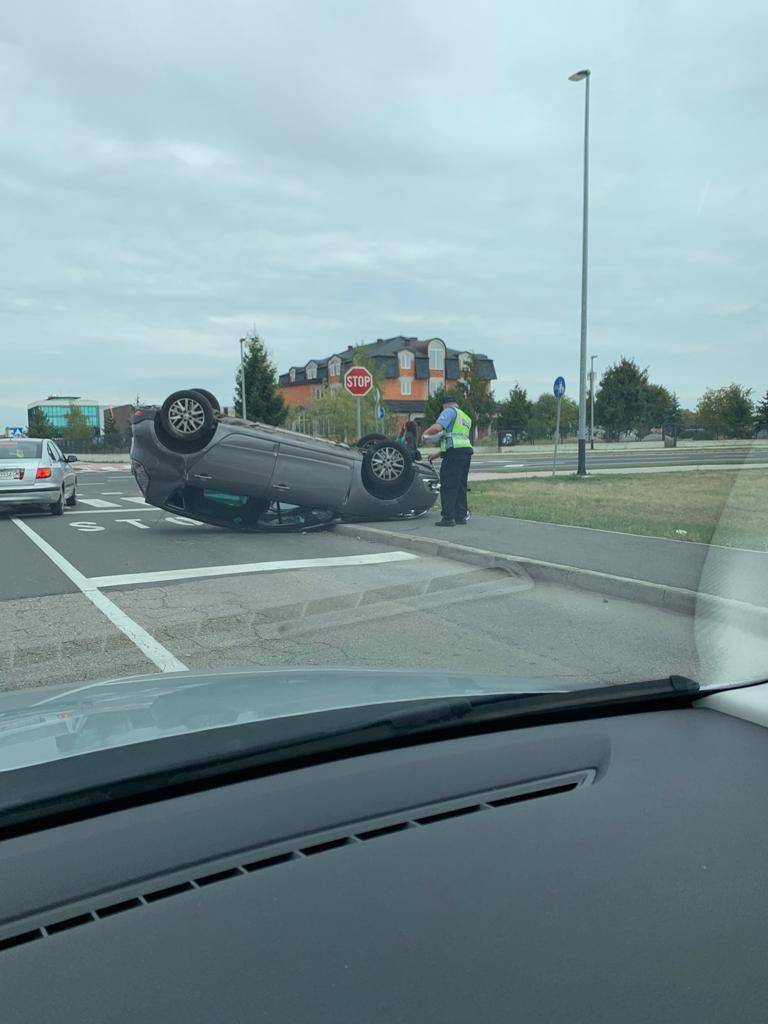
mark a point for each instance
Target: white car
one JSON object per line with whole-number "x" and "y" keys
{"x": 33, "y": 471}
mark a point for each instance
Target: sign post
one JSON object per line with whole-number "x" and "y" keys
{"x": 558, "y": 389}
{"x": 358, "y": 382}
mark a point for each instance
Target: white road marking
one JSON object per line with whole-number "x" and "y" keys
{"x": 134, "y": 522}
{"x": 513, "y": 465}
{"x": 113, "y": 510}
{"x": 169, "y": 575}
{"x": 182, "y": 521}
{"x": 135, "y": 500}
{"x": 112, "y": 493}
{"x": 99, "y": 502}
{"x": 157, "y": 654}
{"x": 83, "y": 527}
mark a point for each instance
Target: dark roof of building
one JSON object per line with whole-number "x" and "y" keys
{"x": 396, "y": 405}
{"x": 384, "y": 351}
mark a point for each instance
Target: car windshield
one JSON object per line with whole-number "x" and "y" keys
{"x": 393, "y": 351}
{"x": 10, "y": 451}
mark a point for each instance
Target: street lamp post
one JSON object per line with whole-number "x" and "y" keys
{"x": 585, "y": 76}
{"x": 242, "y": 379}
{"x": 592, "y": 402}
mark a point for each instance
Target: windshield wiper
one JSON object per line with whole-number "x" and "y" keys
{"x": 99, "y": 781}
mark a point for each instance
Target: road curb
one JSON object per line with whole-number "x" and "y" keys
{"x": 659, "y": 595}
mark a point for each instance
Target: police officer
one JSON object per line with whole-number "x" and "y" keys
{"x": 456, "y": 452}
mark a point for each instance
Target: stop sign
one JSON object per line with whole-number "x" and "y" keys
{"x": 358, "y": 381}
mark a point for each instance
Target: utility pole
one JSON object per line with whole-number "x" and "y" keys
{"x": 583, "y": 76}
{"x": 592, "y": 402}
{"x": 242, "y": 379}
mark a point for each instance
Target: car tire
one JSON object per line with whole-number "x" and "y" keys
{"x": 72, "y": 499}
{"x": 57, "y": 507}
{"x": 368, "y": 440}
{"x": 210, "y": 396}
{"x": 187, "y": 419}
{"x": 387, "y": 469}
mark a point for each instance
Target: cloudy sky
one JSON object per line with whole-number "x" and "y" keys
{"x": 174, "y": 173}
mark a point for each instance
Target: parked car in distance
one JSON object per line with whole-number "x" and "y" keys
{"x": 34, "y": 471}
{"x": 188, "y": 458}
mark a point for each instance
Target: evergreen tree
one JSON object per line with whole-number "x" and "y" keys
{"x": 514, "y": 412}
{"x": 620, "y": 404}
{"x": 761, "y": 413}
{"x": 38, "y": 424}
{"x": 110, "y": 427}
{"x": 263, "y": 401}
{"x": 78, "y": 428}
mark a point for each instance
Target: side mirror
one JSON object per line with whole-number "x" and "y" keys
{"x": 71, "y": 458}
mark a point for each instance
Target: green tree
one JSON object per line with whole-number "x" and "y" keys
{"x": 262, "y": 399}
{"x": 38, "y": 424}
{"x": 475, "y": 397}
{"x": 761, "y": 413}
{"x": 620, "y": 403}
{"x": 77, "y": 427}
{"x": 727, "y": 411}
{"x": 656, "y": 403}
{"x": 673, "y": 416}
{"x": 515, "y": 411}
{"x": 543, "y": 418}
{"x": 110, "y": 427}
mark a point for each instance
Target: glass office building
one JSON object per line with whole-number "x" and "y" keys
{"x": 56, "y": 408}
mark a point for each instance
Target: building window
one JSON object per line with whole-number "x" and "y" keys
{"x": 334, "y": 367}
{"x": 292, "y": 375}
{"x": 317, "y": 390}
{"x": 311, "y": 371}
{"x": 437, "y": 356}
{"x": 405, "y": 385}
{"x": 435, "y": 384}
{"x": 406, "y": 360}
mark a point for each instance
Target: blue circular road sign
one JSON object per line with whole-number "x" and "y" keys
{"x": 559, "y": 387}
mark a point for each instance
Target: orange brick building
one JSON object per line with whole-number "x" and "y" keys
{"x": 411, "y": 369}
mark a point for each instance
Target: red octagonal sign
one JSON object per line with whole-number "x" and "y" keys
{"x": 358, "y": 381}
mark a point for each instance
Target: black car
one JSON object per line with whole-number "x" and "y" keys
{"x": 189, "y": 458}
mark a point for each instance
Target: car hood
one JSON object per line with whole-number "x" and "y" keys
{"x": 36, "y": 727}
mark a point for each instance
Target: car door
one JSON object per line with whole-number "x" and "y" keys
{"x": 311, "y": 473}
{"x": 55, "y": 462}
{"x": 62, "y": 470}
{"x": 242, "y": 463}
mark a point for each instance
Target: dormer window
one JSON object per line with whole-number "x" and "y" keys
{"x": 437, "y": 356}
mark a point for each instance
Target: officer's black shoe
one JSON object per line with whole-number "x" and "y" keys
{"x": 445, "y": 522}
{"x": 465, "y": 520}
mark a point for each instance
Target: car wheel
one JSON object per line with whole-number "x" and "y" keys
{"x": 211, "y": 398}
{"x": 368, "y": 440}
{"x": 187, "y": 418}
{"x": 57, "y": 508}
{"x": 387, "y": 469}
{"x": 72, "y": 499}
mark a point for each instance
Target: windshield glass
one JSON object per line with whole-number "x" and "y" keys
{"x": 513, "y": 269}
{"x": 12, "y": 450}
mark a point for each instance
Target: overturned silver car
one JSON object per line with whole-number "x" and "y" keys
{"x": 190, "y": 459}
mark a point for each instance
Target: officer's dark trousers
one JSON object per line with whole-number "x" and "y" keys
{"x": 454, "y": 470}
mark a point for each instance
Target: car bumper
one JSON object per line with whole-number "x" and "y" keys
{"x": 30, "y": 496}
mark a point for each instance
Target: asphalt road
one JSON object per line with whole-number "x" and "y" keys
{"x": 528, "y": 458}
{"x": 115, "y": 587}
